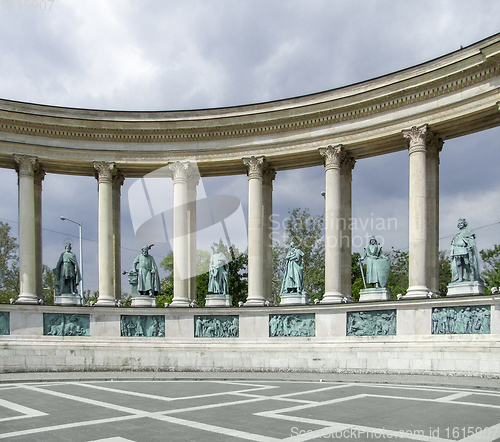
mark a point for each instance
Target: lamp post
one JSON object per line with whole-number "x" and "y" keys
{"x": 81, "y": 252}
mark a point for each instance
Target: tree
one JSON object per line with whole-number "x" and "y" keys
{"x": 9, "y": 265}
{"x": 306, "y": 232}
{"x": 491, "y": 271}
{"x": 49, "y": 285}
{"x": 356, "y": 278}
{"x": 444, "y": 272}
{"x": 398, "y": 275}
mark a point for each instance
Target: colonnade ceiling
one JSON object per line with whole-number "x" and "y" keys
{"x": 456, "y": 94}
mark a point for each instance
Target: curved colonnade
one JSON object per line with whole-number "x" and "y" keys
{"x": 416, "y": 109}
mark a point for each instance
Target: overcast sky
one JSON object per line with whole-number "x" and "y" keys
{"x": 170, "y": 55}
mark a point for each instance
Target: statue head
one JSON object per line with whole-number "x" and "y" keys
{"x": 373, "y": 240}
{"x": 145, "y": 250}
{"x": 67, "y": 246}
{"x": 461, "y": 223}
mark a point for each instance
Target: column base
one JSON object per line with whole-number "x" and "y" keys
{"x": 255, "y": 302}
{"x": 374, "y": 294}
{"x": 143, "y": 301}
{"x": 218, "y": 301}
{"x": 27, "y": 298}
{"x": 417, "y": 292}
{"x": 68, "y": 300}
{"x": 335, "y": 298}
{"x": 106, "y": 302}
{"x": 183, "y": 303}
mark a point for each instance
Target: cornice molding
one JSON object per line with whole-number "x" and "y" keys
{"x": 271, "y": 121}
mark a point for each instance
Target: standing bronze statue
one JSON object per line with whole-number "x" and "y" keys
{"x": 67, "y": 273}
{"x": 148, "y": 280}
{"x": 464, "y": 255}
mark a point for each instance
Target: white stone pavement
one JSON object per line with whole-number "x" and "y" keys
{"x": 256, "y": 408}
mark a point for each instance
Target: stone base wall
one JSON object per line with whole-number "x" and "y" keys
{"x": 414, "y": 345}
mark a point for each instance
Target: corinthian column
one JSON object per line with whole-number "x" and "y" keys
{"x": 105, "y": 175}
{"x": 117, "y": 235}
{"x": 26, "y": 169}
{"x": 333, "y": 156}
{"x": 180, "y": 240}
{"x": 39, "y": 176}
{"x": 255, "y": 231}
{"x": 193, "y": 180}
{"x": 434, "y": 146}
{"x": 417, "y": 277}
{"x": 346, "y": 166}
{"x": 267, "y": 200}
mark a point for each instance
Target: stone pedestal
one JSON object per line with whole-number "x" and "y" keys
{"x": 218, "y": 301}
{"x": 143, "y": 301}
{"x": 68, "y": 300}
{"x": 374, "y": 294}
{"x": 465, "y": 289}
{"x": 294, "y": 299}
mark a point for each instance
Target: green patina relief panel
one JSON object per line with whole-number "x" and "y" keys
{"x": 209, "y": 326}
{"x": 143, "y": 325}
{"x": 66, "y": 324}
{"x": 288, "y": 325}
{"x": 371, "y": 323}
{"x": 4, "y": 323}
{"x": 461, "y": 320}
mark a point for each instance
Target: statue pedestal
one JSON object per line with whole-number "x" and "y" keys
{"x": 374, "y": 294}
{"x": 468, "y": 288}
{"x": 68, "y": 300}
{"x": 294, "y": 299}
{"x": 143, "y": 301}
{"x": 218, "y": 301}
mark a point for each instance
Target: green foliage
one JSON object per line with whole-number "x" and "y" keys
{"x": 49, "y": 285}
{"x": 9, "y": 265}
{"x": 491, "y": 271}
{"x": 398, "y": 276}
{"x": 91, "y": 299}
{"x": 356, "y": 278}
{"x": 444, "y": 273}
{"x": 306, "y": 231}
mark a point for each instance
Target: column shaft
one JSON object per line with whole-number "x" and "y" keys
{"x": 347, "y": 164}
{"x": 39, "y": 176}
{"x": 418, "y": 212}
{"x": 332, "y": 229}
{"x": 180, "y": 230}
{"x": 105, "y": 174}
{"x": 193, "y": 180}
{"x": 255, "y": 232}
{"x": 27, "y": 166}
{"x": 433, "y": 149}
{"x": 117, "y": 235}
{"x": 267, "y": 198}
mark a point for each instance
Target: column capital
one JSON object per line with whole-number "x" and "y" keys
{"x": 333, "y": 156}
{"x": 27, "y": 165}
{"x": 180, "y": 171}
{"x": 268, "y": 174}
{"x": 105, "y": 171}
{"x": 193, "y": 176}
{"x": 255, "y": 167}
{"x": 39, "y": 175}
{"x": 347, "y": 162}
{"x": 417, "y": 138}
{"x": 434, "y": 145}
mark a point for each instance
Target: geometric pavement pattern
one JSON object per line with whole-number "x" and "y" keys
{"x": 216, "y": 410}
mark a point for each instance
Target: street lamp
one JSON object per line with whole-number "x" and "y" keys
{"x": 81, "y": 251}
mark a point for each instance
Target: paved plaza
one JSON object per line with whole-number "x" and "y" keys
{"x": 259, "y": 408}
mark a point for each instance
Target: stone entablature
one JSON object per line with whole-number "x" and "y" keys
{"x": 456, "y": 94}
